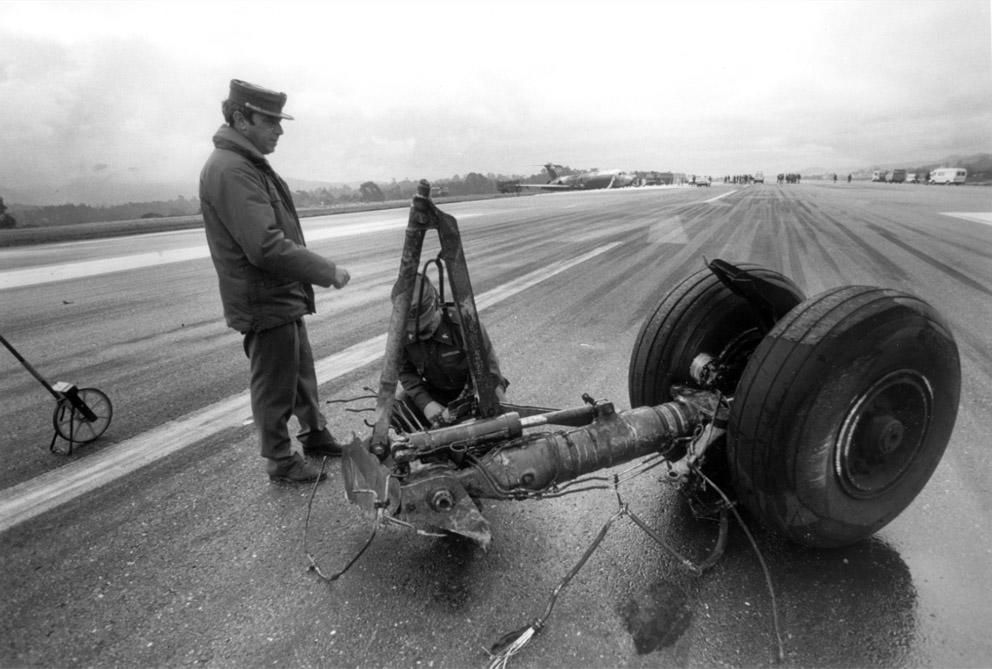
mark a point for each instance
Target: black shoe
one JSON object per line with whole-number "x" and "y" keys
{"x": 327, "y": 449}
{"x": 294, "y": 470}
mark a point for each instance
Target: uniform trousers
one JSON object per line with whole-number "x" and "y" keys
{"x": 284, "y": 384}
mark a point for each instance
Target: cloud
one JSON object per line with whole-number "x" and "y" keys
{"x": 386, "y": 90}
{"x": 110, "y": 105}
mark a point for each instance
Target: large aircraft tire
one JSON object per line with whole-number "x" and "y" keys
{"x": 699, "y": 315}
{"x": 843, "y": 413}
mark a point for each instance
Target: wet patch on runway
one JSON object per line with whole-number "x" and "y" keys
{"x": 451, "y": 594}
{"x": 656, "y": 617}
{"x": 453, "y": 580}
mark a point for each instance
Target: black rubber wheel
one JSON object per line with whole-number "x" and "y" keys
{"x": 843, "y": 413}
{"x": 699, "y": 315}
{"x": 72, "y": 426}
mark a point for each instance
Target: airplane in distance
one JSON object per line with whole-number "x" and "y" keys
{"x": 584, "y": 180}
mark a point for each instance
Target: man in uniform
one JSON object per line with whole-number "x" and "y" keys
{"x": 266, "y": 275}
{"x": 434, "y": 373}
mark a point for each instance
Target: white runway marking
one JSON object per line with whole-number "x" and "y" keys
{"x": 26, "y": 500}
{"x": 33, "y": 276}
{"x": 976, "y": 216}
{"x": 48, "y": 273}
{"x": 722, "y": 195}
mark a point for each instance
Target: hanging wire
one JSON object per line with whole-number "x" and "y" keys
{"x": 380, "y": 518}
{"x": 780, "y": 657}
{"x": 314, "y": 567}
{"x": 351, "y": 399}
{"x": 510, "y": 644}
{"x": 644, "y": 466}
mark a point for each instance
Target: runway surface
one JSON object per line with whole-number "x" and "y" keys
{"x": 163, "y": 544}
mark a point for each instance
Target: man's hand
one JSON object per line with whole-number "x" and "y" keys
{"x": 341, "y": 278}
{"x": 433, "y": 411}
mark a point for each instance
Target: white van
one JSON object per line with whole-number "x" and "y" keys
{"x": 948, "y": 175}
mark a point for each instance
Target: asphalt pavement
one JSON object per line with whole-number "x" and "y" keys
{"x": 163, "y": 544}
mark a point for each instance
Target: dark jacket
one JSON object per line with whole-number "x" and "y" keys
{"x": 264, "y": 270}
{"x": 437, "y": 368}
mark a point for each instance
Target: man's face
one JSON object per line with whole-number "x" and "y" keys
{"x": 430, "y": 315}
{"x": 263, "y": 132}
{"x": 428, "y": 322}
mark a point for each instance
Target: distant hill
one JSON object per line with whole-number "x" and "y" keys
{"x": 309, "y": 184}
{"x": 98, "y": 191}
{"x": 16, "y": 195}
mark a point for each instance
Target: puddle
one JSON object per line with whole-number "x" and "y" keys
{"x": 656, "y": 617}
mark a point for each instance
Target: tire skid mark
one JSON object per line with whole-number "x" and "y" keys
{"x": 930, "y": 260}
{"x": 807, "y": 218}
{"x": 688, "y": 259}
{"x": 973, "y": 249}
{"x": 744, "y": 235}
{"x": 971, "y": 348}
{"x": 794, "y": 249}
{"x": 879, "y": 259}
{"x": 768, "y": 212}
{"x": 621, "y": 256}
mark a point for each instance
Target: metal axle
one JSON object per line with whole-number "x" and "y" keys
{"x": 438, "y": 497}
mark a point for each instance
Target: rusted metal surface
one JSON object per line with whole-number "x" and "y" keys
{"x": 424, "y": 215}
{"x": 557, "y": 457}
{"x": 441, "y": 470}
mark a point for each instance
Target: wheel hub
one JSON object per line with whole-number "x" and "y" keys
{"x": 724, "y": 371}
{"x": 882, "y": 433}
{"x": 886, "y": 434}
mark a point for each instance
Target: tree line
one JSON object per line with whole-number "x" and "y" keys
{"x": 71, "y": 214}
{"x": 473, "y": 183}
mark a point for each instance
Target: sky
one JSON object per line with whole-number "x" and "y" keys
{"x": 385, "y": 90}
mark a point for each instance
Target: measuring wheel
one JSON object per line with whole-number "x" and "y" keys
{"x": 81, "y": 415}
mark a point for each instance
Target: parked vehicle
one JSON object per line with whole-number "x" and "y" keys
{"x": 911, "y": 178}
{"x": 878, "y": 175}
{"x": 896, "y": 176}
{"x": 948, "y": 175}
